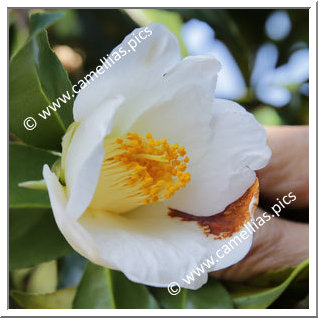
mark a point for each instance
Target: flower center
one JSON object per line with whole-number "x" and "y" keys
{"x": 139, "y": 170}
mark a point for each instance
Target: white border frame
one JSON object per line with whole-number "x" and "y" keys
{"x": 312, "y": 165}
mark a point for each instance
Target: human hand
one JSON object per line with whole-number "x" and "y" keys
{"x": 288, "y": 168}
{"x": 279, "y": 242}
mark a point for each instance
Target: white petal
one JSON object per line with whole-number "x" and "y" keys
{"x": 224, "y": 142}
{"x": 134, "y": 76}
{"x": 74, "y": 233}
{"x": 237, "y": 146}
{"x": 147, "y": 245}
{"x": 85, "y": 155}
{"x": 184, "y": 112}
{"x": 152, "y": 248}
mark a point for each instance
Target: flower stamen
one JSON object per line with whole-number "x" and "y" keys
{"x": 139, "y": 170}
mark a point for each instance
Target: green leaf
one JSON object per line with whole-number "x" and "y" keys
{"x": 210, "y": 296}
{"x": 18, "y": 32}
{"x": 137, "y": 295}
{"x": 262, "y": 291}
{"x": 34, "y": 238}
{"x": 25, "y": 164}
{"x": 36, "y": 79}
{"x": 40, "y": 21}
{"x": 60, "y": 299}
{"x": 104, "y": 288}
{"x": 95, "y": 289}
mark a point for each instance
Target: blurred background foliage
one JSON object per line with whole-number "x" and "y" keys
{"x": 264, "y": 56}
{"x": 264, "y": 53}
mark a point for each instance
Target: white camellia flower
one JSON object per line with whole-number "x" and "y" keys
{"x": 157, "y": 174}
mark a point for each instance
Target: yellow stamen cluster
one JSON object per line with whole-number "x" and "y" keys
{"x": 152, "y": 170}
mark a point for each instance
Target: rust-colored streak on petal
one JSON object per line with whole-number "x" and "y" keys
{"x": 228, "y": 222}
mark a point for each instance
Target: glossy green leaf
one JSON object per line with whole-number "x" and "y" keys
{"x": 60, "y": 299}
{"x": 34, "y": 238}
{"x": 25, "y": 164}
{"x": 40, "y": 21}
{"x": 104, "y": 288}
{"x": 262, "y": 291}
{"x": 210, "y": 296}
{"x": 137, "y": 295}
{"x": 36, "y": 79}
{"x": 18, "y": 33}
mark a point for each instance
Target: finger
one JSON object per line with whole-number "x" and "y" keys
{"x": 288, "y": 169}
